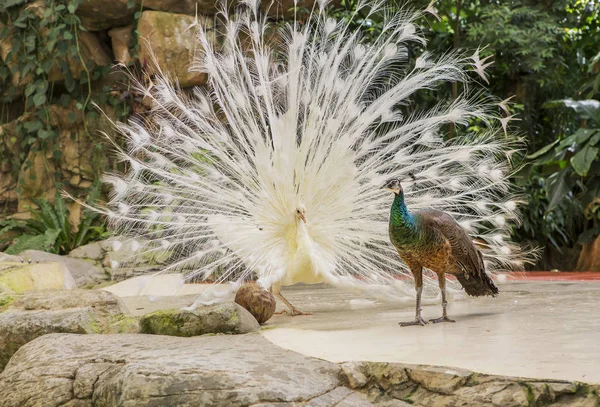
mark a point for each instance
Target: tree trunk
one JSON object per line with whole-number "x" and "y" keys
{"x": 589, "y": 258}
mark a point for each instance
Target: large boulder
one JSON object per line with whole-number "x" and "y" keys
{"x": 442, "y": 386}
{"x": 151, "y": 370}
{"x": 104, "y": 14}
{"x": 244, "y": 370}
{"x": 34, "y": 314}
{"x": 84, "y": 273}
{"x": 222, "y": 318}
{"x": 17, "y": 277}
{"x": 170, "y": 41}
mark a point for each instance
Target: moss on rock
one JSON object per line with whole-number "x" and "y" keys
{"x": 5, "y": 301}
{"x": 223, "y": 318}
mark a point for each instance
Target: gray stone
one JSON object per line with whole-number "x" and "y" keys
{"x": 331, "y": 398}
{"x": 513, "y": 395}
{"x": 133, "y": 370}
{"x": 61, "y": 299}
{"x": 356, "y": 378}
{"x": 439, "y": 379}
{"x": 92, "y": 251}
{"x": 83, "y": 272}
{"x": 34, "y": 314}
{"x": 103, "y": 14}
{"x": 170, "y": 42}
{"x": 9, "y": 259}
{"x": 221, "y": 318}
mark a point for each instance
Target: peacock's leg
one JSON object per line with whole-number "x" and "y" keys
{"x": 293, "y": 310}
{"x": 418, "y": 275}
{"x": 444, "y": 317}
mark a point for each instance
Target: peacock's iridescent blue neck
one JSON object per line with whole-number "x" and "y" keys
{"x": 403, "y": 227}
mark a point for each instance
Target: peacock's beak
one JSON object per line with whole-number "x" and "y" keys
{"x": 303, "y": 217}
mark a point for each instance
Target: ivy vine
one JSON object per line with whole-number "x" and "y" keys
{"x": 44, "y": 50}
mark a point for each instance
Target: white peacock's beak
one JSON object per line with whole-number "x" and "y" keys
{"x": 303, "y": 217}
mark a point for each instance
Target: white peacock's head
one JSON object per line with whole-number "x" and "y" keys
{"x": 301, "y": 212}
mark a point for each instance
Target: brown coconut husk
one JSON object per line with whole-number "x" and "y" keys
{"x": 257, "y": 300}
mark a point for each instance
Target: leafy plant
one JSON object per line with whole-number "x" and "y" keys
{"x": 572, "y": 172}
{"x": 50, "y": 228}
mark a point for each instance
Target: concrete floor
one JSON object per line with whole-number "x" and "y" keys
{"x": 547, "y": 330}
{"x": 533, "y": 329}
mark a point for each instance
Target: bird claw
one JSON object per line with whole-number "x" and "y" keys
{"x": 417, "y": 321}
{"x": 294, "y": 312}
{"x": 441, "y": 319}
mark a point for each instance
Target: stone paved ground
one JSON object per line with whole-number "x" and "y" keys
{"x": 536, "y": 329}
{"x": 532, "y": 329}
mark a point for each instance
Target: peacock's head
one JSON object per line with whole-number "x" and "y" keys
{"x": 301, "y": 212}
{"x": 393, "y": 185}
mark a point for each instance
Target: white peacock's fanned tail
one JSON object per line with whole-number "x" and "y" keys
{"x": 320, "y": 117}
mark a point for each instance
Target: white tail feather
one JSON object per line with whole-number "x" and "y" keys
{"x": 218, "y": 186}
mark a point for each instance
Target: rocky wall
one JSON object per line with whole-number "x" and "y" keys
{"x": 165, "y": 33}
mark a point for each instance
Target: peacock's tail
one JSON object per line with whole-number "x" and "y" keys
{"x": 321, "y": 117}
{"x": 478, "y": 286}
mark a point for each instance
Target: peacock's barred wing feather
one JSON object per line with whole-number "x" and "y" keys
{"x": 216, "y": 174}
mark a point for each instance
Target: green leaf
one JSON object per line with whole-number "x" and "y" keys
{"x": 72, "y": 8}
{"x": 45, "y": 134}
{"x": 542, "y": 151}
{"x": 67, "y": 35}
{"x": 27, "y": 242}
{"x": 557, "y": 186}
{"x": 582, "y": 161}
{"x": 33, "y": 126}
{"x": 595, "y": 139}
{"x": 10, "y": 3}
{"x": 39, "y": 99}
{"x": 582, "y": 135}
{"x": 50, "y": 237}
{"x": 588, "y": 235}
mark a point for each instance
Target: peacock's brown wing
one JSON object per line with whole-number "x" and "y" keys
{"x": 466, "y": 262}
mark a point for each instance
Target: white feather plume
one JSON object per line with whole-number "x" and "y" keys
{"x": 218, "y": 174}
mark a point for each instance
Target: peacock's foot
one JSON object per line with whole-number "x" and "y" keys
{"x": 441, "y": 319}
{"x": 417, "y": 321}
{"x": 294, "y": 312}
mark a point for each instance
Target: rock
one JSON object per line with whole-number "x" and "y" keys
{"x": 121, "y": 38}
{"x": 60, "y": 299}
{"x": 130, "y": 260}
{"x": 78, "y": 311}
{"x": 135, "y": 370}
{"x": 189, "y": 7}
{"x": 256, "y": 300}
{"x": 439, "y": 379}
{"x": 171, "y": 40}
{"x": 104, "y": 14}
{"x": 21, "y": 277}
{"x": 221, "y": 318}
{"x": 92, "y": 251}
{"x": 161, "y": 285}
{"x": 5, "y": 301}
{"x": 7, "y": 258}
{"x": 83, "y": 272}
{"x": 90, "y": 48}
{"x": 354, "y": 375}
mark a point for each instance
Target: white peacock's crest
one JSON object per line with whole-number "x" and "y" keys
{"x": 216, "y": 174}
